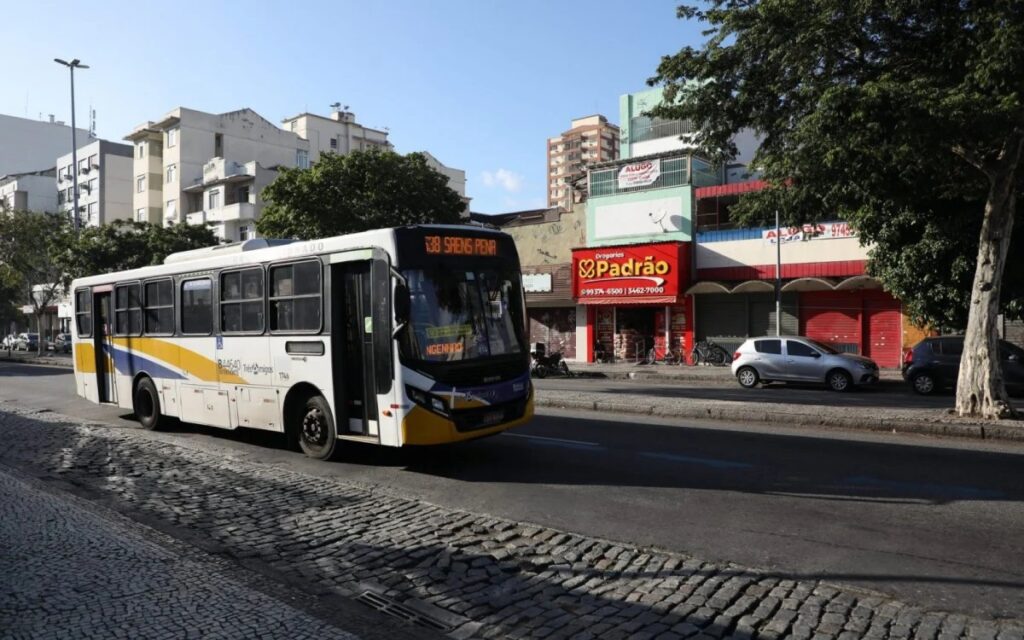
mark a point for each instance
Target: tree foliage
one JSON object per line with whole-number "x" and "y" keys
{"x": 356, "y": 192}
{"x": 31, "y": 247}
{"x": 903, "y": 117}
{"x": 877, "y": 111}
{"x": 126, "y": 244}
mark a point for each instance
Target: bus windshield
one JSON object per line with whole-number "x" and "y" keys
{"x": 464, "y": 314}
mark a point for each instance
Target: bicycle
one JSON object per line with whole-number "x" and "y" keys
{"x": 708, "y": 352}
{"x": 667, "y": 357}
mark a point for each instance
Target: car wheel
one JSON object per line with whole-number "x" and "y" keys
{"x": 146, "y": 404}
{"x": 839, "y": 380}
{"x": 317, "y": 434}
{"x": 924, "y": 384}
{"x": 747, "y": 377}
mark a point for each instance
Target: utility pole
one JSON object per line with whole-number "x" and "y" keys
{"x": 74, "y": 143}
{"x": 778, "y": 276}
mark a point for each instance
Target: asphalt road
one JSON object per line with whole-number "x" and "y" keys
{"x": 932, "y": 522}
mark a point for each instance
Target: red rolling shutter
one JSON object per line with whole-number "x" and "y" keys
{"x": 883, "y": 329}
{"x": 832, "y": 317}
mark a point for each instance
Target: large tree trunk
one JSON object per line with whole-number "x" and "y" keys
{"x": 980, "y": 391}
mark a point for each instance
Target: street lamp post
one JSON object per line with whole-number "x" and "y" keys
{"x": 74, "y": 143}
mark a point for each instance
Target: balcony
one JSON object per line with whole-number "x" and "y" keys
{"x": 226, "y": 213}
{"x": 672, "y": 172}
{"x": 222, "y": 169}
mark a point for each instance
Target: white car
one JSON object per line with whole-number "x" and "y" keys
{"x": 799, "y": 359}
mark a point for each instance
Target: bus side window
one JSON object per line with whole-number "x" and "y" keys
{"x": 197, "y": 306}
{"x": 295, "y": 303}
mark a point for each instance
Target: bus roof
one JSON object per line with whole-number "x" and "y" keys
{"x": 260, "y": 250}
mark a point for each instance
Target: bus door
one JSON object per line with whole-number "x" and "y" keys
{"x": 103, "y": 347}
{"x": 352, "y": 354}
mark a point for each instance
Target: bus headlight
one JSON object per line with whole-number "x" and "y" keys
{"x": 427, "y": 400}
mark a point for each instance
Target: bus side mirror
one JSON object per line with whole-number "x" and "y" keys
{"x": 401, "y": 303}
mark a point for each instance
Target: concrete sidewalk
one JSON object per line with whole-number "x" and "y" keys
{"x": 702, "y": 373}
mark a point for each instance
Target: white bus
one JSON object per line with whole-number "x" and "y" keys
{"x": 406, "y": 336}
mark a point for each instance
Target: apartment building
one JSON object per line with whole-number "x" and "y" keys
{"x": 198, "y": 167}
{"x": 30, "y": 191}
{"x": 31, "y": 145}
{"x": 588, "y": 141}
{"x": 339, "y": 133}
{"x": 104, "y": 183}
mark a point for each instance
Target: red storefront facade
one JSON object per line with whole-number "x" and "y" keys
{"x": 635, "y": 298}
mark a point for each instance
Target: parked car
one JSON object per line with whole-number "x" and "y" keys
{"x": 27, "y": 342}
{"x": 800, "y": 359}
{"x": 934, "y": 364}
{"x": 62, "y": 343}
{"x": 8, "y": 341}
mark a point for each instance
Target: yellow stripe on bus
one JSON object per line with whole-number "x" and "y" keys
{"x": 188, "y": 361}
{"x": 85, "y": 357}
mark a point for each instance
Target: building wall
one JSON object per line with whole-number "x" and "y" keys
{"x": 106, "y": 188}
{"x": 643, "y": 216}
{"x": 593, "y": 139}
{"x": 350, "y": 135}
{"x": 30, "y": 192}
{"x": 31, "y": 145}
{"x": 746, "y": 254}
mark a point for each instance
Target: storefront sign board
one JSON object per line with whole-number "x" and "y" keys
{"x": 630, "y": 274}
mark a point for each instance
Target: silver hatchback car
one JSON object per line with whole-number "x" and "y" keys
{"x": 799, "y": 359}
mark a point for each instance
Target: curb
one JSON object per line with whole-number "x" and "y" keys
{"x": 44, "y": 361}
{"x": 719, "y": 411}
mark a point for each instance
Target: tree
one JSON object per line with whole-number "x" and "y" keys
{"x": 905, "y": 118}
{"x": 31, "y": 246}
{"x": 125, "y": 244}
{"x": 356, "y": 192}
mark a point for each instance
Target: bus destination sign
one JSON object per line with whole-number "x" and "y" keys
{"x": 460, "y": 246}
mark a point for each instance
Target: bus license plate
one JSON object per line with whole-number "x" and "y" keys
{"x": 493, "y": 417}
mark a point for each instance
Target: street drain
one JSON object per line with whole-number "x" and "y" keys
{"x": 398, "y": 610}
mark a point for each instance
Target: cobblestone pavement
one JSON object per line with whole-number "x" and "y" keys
{"x": 70, "y": 573}
{"x": 479, "y": 576}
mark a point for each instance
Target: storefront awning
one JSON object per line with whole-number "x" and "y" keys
{"x": 708, "y": 286}
{"x": 753, "y": 286}
{"x": 809, "y": 284}
{"x": 732, "y": 189}
{"x": 858, "y": 282}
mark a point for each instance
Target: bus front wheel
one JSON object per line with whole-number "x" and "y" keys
{"x": 146, "y": 404}
{"x": 317, "y": 434}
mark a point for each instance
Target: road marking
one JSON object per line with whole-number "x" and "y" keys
{"x": 945, "y": 490}
{"x": 554, "y": 441}
{"x": 708, "y": 462}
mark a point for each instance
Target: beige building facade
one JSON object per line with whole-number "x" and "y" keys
{"x": 588, "y": 141}
{"x": 193, "y": 165}
{"x": 339, "y": 133}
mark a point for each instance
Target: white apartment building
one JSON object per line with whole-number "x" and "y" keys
{"x": 204, "y": 167}
{"x": 339, "y": 133}
{"x": 104, "y": 183}
{"x": 31, "y": 145}
{"x": 589, "y": 140}
{"x": 31, "y": 191}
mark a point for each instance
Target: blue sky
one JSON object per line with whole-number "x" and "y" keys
{"x": 479, "y": 84}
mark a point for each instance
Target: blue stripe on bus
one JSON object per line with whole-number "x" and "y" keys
{"x": 129, "y": 363}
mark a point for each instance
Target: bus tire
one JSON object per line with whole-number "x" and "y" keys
{"x": 317, "y": 435}
{"x": 146, "y": 405}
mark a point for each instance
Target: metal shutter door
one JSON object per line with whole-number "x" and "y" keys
{"x": 883, "y": 330}
{"x": 721, "y": 318}
{"x": 832, "y": 318}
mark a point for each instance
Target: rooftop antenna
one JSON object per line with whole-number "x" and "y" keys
{"x": 92, "y": 122}
{"x": 335, "y": 106}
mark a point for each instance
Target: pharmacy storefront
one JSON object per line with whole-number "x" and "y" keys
{"x": 635, "y": 300}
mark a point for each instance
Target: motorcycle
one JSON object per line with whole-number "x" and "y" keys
{"x": 544, "y": 364}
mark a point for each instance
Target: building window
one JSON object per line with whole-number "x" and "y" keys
{"x": 94, "y": 161}
{"x": 83, "y": 312}
{"x": 334, "y": 143}
{"x": 127, "y": 310}
{"x": 214, "y": 200}
{"x": 61, "y": 198}
{"x": 159, "y": 307}
{"x": 172, "y": 137}
{"x": 140, "y": 215}
{"x": 140, "y": 184}
{"x": 295, "y": 297}
{"x": 94, "y": 184}
{"x": 172, "y": 209}
{"x": 142, "y": 149}
{"x": 197, "y": 306}
{"x": 172, "y": 169}
{"x": 83, "y": 165}
{"x": 243, "y": 232}
{"x": 218, "y": 145}
{"x": 301, "y": 158}
{"x": 241, "y": 301}
{"x": 93, "y": 210}
{"x": 242, "y": 195}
